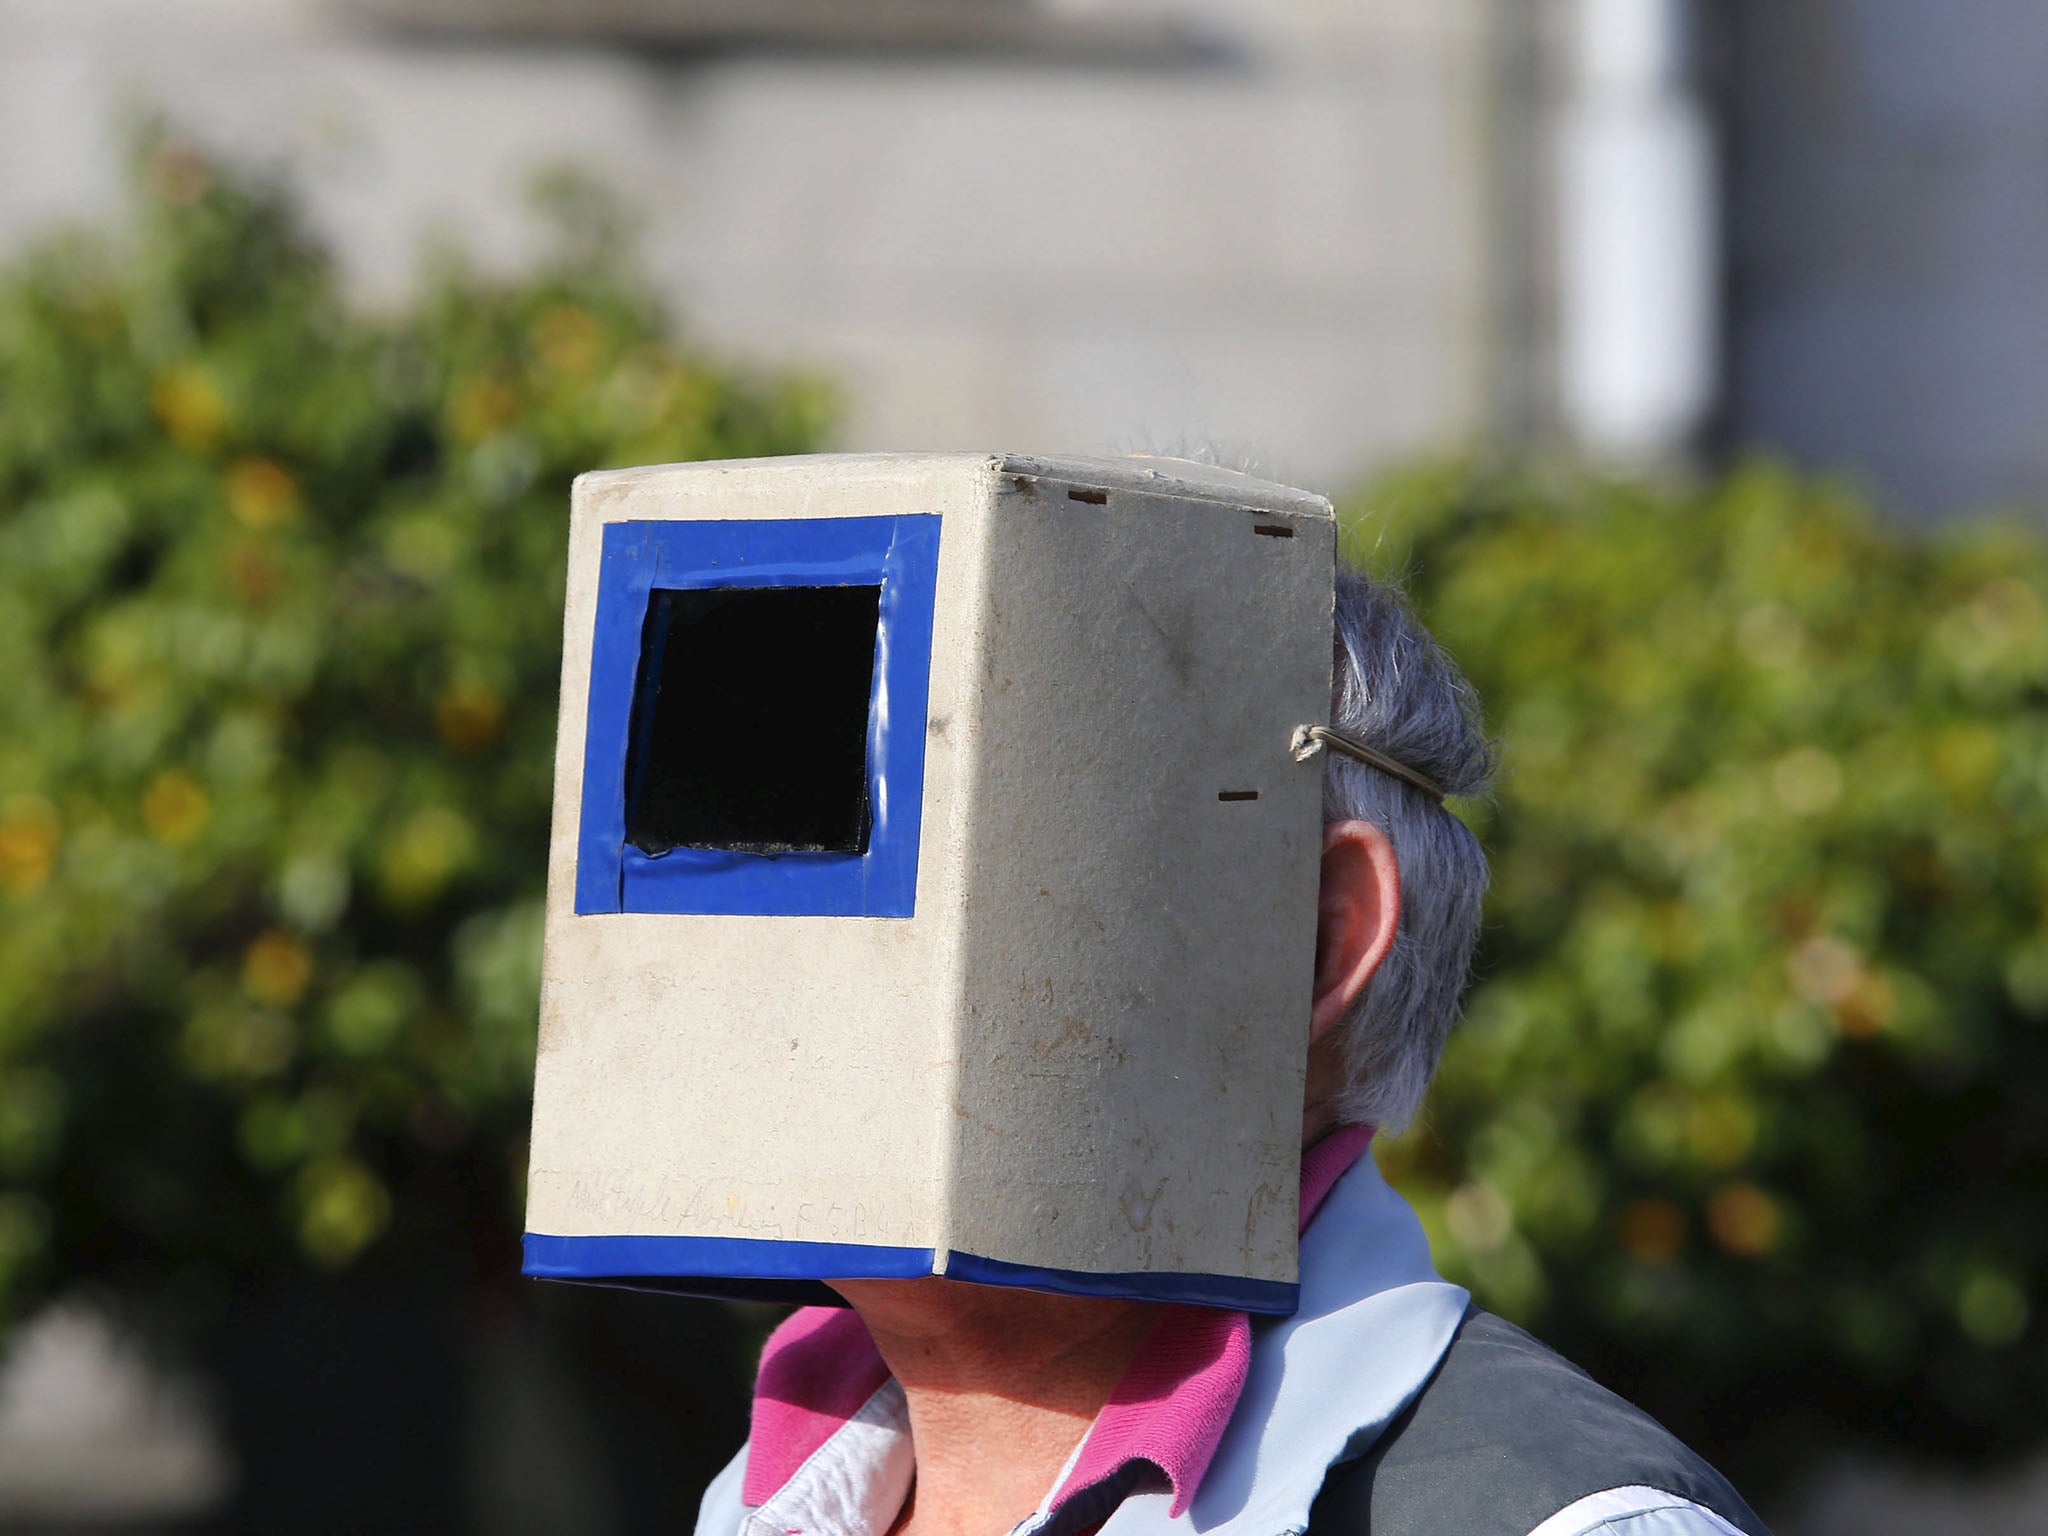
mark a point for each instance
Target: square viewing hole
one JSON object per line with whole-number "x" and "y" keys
{"x": 750, "y": 720}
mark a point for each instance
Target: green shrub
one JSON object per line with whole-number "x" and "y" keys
{"x": 280, "y": 617}
{"x": 1749, "y": 1111}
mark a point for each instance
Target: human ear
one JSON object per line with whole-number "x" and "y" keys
{"x": 1357, "y": 912}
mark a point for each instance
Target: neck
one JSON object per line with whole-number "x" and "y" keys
{"x": 1001, "y": 1386}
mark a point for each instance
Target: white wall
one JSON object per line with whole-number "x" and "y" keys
{"x": 1281, "y": 250}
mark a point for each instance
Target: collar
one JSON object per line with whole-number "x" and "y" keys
{"x": 822, "y": 1380}
{"x": 1374, "y": 1322}
{"x": 1321, "y": 1387}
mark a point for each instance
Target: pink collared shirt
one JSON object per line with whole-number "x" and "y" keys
{"x": 1168, "y": 1410}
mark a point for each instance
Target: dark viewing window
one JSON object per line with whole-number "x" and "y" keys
{"x": 750, "y": 720}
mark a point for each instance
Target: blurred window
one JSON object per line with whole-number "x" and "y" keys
{"x": 1060, "y": 24}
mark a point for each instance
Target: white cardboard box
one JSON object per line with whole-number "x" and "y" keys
{"x": 1028, "y": 1003}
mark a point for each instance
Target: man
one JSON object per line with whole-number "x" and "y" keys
{"x": 1385, "y": 1404}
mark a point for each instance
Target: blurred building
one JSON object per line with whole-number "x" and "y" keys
{"x": 1888, "y": 218}
{"x": 1315, "y": 234}
{"x": 1059, "y": 225}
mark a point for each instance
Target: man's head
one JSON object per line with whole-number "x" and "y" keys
{"x": 1402, "y": 877}
{"x": 971, "y": 935}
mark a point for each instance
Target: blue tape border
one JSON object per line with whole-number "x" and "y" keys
{"x": 729, "y": 1258}
{"x": 791, "y": 1271}
{"x": 901, "y": 554}
{"x": 1235, "y": 1293}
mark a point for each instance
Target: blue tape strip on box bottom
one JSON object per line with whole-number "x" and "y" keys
{"x": 762, "y": 1270}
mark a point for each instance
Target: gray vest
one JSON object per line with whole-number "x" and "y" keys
{"x": 1506, "y": 1433}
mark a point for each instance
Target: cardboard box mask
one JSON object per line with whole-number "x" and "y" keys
{"x": 932, "y": 886}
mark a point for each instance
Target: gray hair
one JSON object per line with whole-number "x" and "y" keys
{"x": 1393, "y": 688}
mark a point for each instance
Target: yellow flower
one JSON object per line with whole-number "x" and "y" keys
{"x": 566, "y": 340}
{"x": 428, "y": 849}
{"x": 1743, "y": 1219}
{"x": 276, "y": 968}
{"x": 342, "y": 1207}
{"x": 28, "y": 843}
{"x": 480, "y": 407}
{"x": 261, "y": 493}
{"x": 175, "y": 808}
{"x": 189, "y": 406}
{"x": 468, "y": 718}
